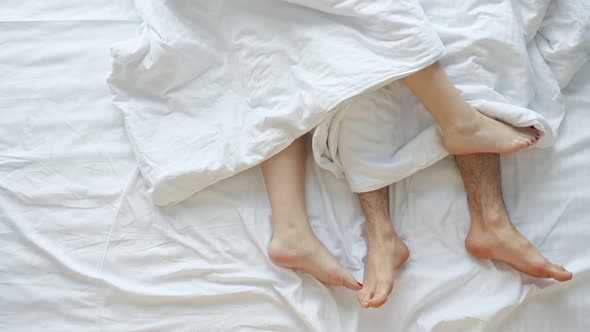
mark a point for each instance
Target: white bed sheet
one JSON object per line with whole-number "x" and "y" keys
{"x": 83, "y": 248}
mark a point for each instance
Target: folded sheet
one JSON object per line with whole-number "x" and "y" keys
{"x": 386, "y": 135}
{"x": 212, "y": 88}
{"x": 83, "y": 248}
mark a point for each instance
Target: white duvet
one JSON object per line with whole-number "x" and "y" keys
{"x": 83, "y": 248}
{"x": 210, "y": 89}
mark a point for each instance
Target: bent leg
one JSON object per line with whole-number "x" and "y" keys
{"x": 294, "y": 244}
{"x": 464, "y": 130}
{"x": 492, "y": 235}
{"x": 386, "y": 250}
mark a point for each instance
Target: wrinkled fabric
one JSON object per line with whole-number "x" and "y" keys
{"x": 384, "y": 136}
{"x": 210, "y": 89}
{"x": 83, "y": 248}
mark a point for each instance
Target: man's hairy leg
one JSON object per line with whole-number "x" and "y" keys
{"x": 492, "y": 235}
{"x": 386, "y": 250}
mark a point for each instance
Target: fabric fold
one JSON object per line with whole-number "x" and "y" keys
{"x": 211, "y": 89}
{"x": 386, "y": 136}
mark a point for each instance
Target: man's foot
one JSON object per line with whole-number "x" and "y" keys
{"x": 481, "y": 134}
{"x": 498, "y": 239}
{"x": 300, "y": 249}
{"x": 386, "y": 253}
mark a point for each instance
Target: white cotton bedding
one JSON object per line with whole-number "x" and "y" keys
{"x": 83, "y": 247}
{"x": 210, "y": 89}
{"x": 382, "y": 137}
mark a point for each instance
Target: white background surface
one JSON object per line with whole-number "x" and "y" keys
{"x": 83, "y": 248}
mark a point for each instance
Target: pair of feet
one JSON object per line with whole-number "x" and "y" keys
{"x": 488, "y": 239}
{"x": 495, "y": 239}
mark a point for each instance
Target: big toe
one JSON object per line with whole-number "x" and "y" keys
{"x": 525, "y": 139}
{"x": 350, "y": 282}
{"x": 559, "y": 273}
{"x": 532, "y": 133}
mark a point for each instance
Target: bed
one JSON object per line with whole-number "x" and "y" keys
{"x": 83, "y": 247}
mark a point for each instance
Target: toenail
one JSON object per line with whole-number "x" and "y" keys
{"x": 359, "y": 284}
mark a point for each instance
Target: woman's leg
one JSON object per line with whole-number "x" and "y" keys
{"x": 294, "y": 244}
{"x": 464, "y": 129}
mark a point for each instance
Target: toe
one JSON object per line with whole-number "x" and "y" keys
{"x": 350, "y": 282}
{"x": 539, "y": 268}
{"x": 526, "y": 137}
{"x": 526, "y": 132}
{"x": 559, "y": 273}
{"x": 381, "y": 294}
{"x": 366, "y": 298}
{"x": 530, "y": 136}
{"x": 531, "y": 131}
{"x": 360, "y": 296}
{"x": 365, "y": 294}
{"x": 526, "y": 142}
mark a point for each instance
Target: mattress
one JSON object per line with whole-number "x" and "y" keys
{"x": 83, "y": 247}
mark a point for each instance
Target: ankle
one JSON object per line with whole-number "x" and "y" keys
{"x": 290, "y": 227}
{"x": 464, "y": 122}
{"x": 489, "y": 218}
{"x": 381, "y": 231}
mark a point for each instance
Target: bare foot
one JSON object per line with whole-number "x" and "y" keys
{"x": 500, "y": 240}
{"x": 386, "y": 253}
{"x": 300, "y": 249}
{"x": 482, "y": 134}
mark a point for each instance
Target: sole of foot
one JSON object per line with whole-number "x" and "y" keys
{"x": 303, "y": 251}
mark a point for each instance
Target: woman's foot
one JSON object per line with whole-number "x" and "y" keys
{"x": 300, "y": 249}
{"x": 498, "y": 239}
{"x": 386, "y": 253}
{"x": 463, "y": 128}
{"x": 478, "y": 133}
